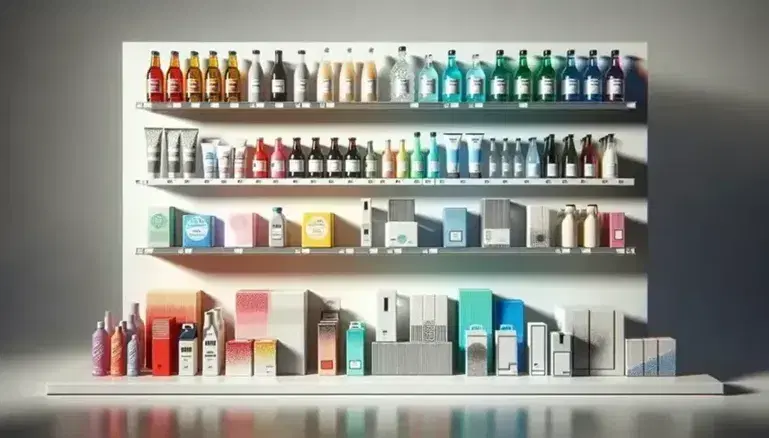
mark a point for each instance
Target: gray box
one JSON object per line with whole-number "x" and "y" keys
{"x": 411, "y": 358}
{"x": 495, "y": 223}
{"x": 539, "y": 227}
{"x": 416, "y": 310}
{"x": 651, "y": 357}
{"x": 560, "y": 354}
{"x": 634, "y": 357}
{"x": 428, "y": 318}
{"x": 287, "y": 322}
{"x": 607, "y": 342}
{"x": 576, "y": 322}
{"x": 401, "y": 210}
{"x": 437, "y": 359}
{"x": 441, "y": 318}
{"x": 666, "y": 357}
{"x": 537, "y": 346}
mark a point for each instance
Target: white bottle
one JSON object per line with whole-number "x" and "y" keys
{"x": 325, "y": 76}
{"x": 221, "y": 331}
{"x": 590, "y": 227}
{"x": 277, "y": 229}
{"x": 347, "y": 79}
{"x": 369, "y": 79}
{"x": 569, "y": 228}
{"x": 609, "y": 159}
{"x": 255, "y": 75}
{"x": 211, "y": 357}
{"x": 301, "y": 76}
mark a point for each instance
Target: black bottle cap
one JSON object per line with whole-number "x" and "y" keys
{"x": 615, "y": 52}
{"x": 351, "y": 138}
{"x": 174, "y": 53}
{"x": 316, "y": 139}
{"x": 500, "y": 52}
{"x": 333, "y": 139}
{"x": 194, "y": 53}
{"x": 278, "y": 53}
{"x": 417, "y": 134}
{"x": 297, "y": 138}
{"x": 570, "y": 52}
{"x": 212, "y": 53}
{"x": 452, "y": 52}
{"x": 155, "y": 53}
{"x": 256, "y": 52}
{"x": 593, "y": 52}
{"x": 546, "y": 52}
{"x": 518, "y": 139}
{"x": 433, "y": 134}
{"x": 302, "y": 52}
{"x": 523, "y": 53}
{"x": 232, "y": 53}
{"x": 402, "y": 48}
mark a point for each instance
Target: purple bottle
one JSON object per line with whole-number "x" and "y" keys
{"x": 100, "y": 350}
{"x": 132, "y": 367}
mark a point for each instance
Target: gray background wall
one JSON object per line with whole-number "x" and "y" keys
{"x": 60, "y": 148}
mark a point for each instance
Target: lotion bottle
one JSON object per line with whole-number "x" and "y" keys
{"x": 132, "y": 354}
{"x": 609, "y": 159}
{"x": 117, "y": 363}
{"x": 301, "y": 75}
{"x": 100, "y": 346}
{"x": 569, "y": 228}
{"x": 141, "y": 331}
{"x": 255, "y": 75}
{"x": 590, "y": 227}
{"x": 211, "y": 357}
{"x": 277, "y": 229}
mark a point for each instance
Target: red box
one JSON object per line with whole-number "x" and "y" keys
{"x": 616, "y": 230}
{"x": 165, "y": 346}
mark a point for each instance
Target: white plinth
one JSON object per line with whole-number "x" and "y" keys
{"x": 381, "y": 385}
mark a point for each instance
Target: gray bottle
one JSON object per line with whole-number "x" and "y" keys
{"x": 371, "y": 163}
{"x": 495, "y": 159}
{"x": 519, "y": 160}
{"x": 277, "y": 228}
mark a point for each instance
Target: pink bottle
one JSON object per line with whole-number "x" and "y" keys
{"x": 278, "y": 161}
{"x": 140, "y": 328}
{"x": 100, "y": 346}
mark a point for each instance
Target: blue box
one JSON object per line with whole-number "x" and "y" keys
{"x": 475, "y": 308}
{"x": 355, "y": 341}
{"x": 512, "y": 312}
{"x": 454, "y": 227}
{"x": 198, "y": 231}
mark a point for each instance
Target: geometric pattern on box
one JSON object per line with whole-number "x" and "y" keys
{"x": 239, "y": 358}
{"x": 185, "y": 306}
{"x": 412, "y": 358}
{"x": 599, "y": 339}
{"x": 265, "y": 357}
{"x": 251, "y": 310}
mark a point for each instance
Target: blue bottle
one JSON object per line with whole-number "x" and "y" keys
{"x": 452, "y": 80}
{"x": 591, "y": 80}
{"x": 433, "y": 158}
{"x": 533, "y": 163}
{"x": 614, "y": 81}
{"x": 428, "y": 82}
{"x": 570, "y": 79}
{"x": 476, "y": 82}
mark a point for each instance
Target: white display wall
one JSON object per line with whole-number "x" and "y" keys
{"x": 543, "y": 282}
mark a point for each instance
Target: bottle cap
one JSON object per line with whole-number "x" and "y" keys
{"x": 155, "y": 53}
{"x": 615, "y": 52}
{"x": 452, "y": 52}
{"x": 570, "y": 205}
{"x": 302, "y": 52}
{"x": 500, "y": 52}
{"x": 334, "y": 139}
{"x": 352, "y": 139}
{"x": 316, "y": 139}
{"x": 194, "y": 53}
{"x": 402, "y": 48}
{"x": 255, "y": 52}
{"x": 593, "y": 52}
{"x": 546, "y": 52}
{"x": 297, "y": 138}
{"x": 212, "y": 53}
{"x": 233, "y": 53}
{"x": 433, "y": 134}
{"x": 278, "y": 52}
{"x": 99, "y": 324}
{"x": 518, "y": 139}
{"x": 277, "y": 209}
{"x": 174, "y": 53}
{"x": 570, "y": 52}
{"x": 523, "y": 53}
{"x": 417, "y": 134}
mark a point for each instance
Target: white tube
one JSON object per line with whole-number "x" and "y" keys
{"x": 241, "y": 156}
{"x": 189, "y": 152}
{"x": 173, "y": 151}
{"x": 224, "y": 160}
{"x": 154, "y": 138}
{"x": 474, "y": 142}
{"x": 452, "y": 154}
{"x": 209, "y": 157}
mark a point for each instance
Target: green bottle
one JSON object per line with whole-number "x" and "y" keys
{"x": 500, "y": 80}
{"x": 546, "y": 79}
{"x": 417, "y": 159}
{"x": 522, "y": 79}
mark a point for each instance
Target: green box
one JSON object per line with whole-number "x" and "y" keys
{"x": 475, "y": 308}
{"x": 162, "y": 227}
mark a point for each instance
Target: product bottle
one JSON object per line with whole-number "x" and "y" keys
{"x": 500, "y": 80}
{"x": 211, "y": 360}
{"x": 352, "y": 160}
{"x": 260, "y": 167}
{"x": 296, "y": 160}
{"x": 315, "y": 160}
{"x": 388, "y": 161}
{"x": 569, "y": 158}
{"x": 519, "y": 160}
{"x": 614, "y": 80}
{"x": 533, "y": 166}
{"x": 117, "y": 363}
{"x": 402, "y": 161}
{"x": 434, "y": 157}
{"x": 109, "y": 323}
{"x": 278, "y": 79}
{"x": 550, "y": 158}
{"x": 591, "y": 79}
{"x": 232, "y": 79}
{"x": 213, "y": 78}
{"x": 130, "y": 329}
{"x": 141, "y": 331}
{"x": 194, "y": 79}
{"x": 325, "y": 77}
{"x": 570, "y": 79}
{"x": 569, "y": 227}
{"x": 417, "y": 165}
{"x": 590, "y": 230}
{"x": 277, "y": 228}
{"x": 334, "y": 160}
{"x": 155, "y": 89}
{"x": 476, "y": 81}
{"x": 428, "y": 82}
{"x": 132, "y": 356}
{"x": 610, "y": 159}
{"x": 453, "y": 145}
{"x": 100, "y": 346}
{"x": 347, "y": 79}
{"x": 546, "y": 79}
{"x": 301, "y": 76}
{"x": 506, "y": 159}
{"x": 588, "y": 159}
{"x": 255, "y": 77}
{"x": 401, "y": 79}
{"x": 174, "y": 80}
{"x": 371, "y": 161}
{"x": 368, "y": 87}
{"x": 522, "y": 79}
{"x": 452, "y": 80}
{"x": 278, "y": 161}
{"x": 474, "y": 155}
{"x": 495, "y": 159}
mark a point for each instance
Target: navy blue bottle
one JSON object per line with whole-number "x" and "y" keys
{"x": 591, "y": 80}
{"x": 614, "y": 82}
{"x": 570, "y": 79}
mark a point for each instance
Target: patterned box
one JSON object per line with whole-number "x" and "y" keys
{"x": 265, "y": 357}
{"x": 185, "y": 306}
{"x": 252, "y": 314}
{"x": 239, "y": 358}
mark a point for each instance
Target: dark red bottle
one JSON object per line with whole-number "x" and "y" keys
{"x": 174, "y": 80}
{"x": 588, "y": 158}
{"x": 155, "y": 89}
{"x": 261, "y": 166}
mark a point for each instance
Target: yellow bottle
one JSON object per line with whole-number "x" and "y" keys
{"x": 402, "y": 161}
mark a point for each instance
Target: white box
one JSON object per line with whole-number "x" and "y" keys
{"x": 666, "y": 357}
{"x": 607, "y": 342}
{"x": 537, "y": 346}
{"x": 538, "y": 227}
{"x": 576, "y": 322}
{"x": 634, "y": 357}
{"x": 416, "y": 313}
{"x": 387, "y": 312}
{"x": 476, "y": 356}
{"x": 651, "y": 357}
{"x": 506, "y": 348}
{"x": 442, "y": 311}
{"x": 366, "y": 223}
{"x": 401, "y": 234}
{"x": 560, "y": 354}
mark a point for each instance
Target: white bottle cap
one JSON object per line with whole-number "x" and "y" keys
{"x": 99, "y": 324}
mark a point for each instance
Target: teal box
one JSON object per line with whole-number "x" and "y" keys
{"x": 198, "y": 231}
{"x": 356, "y": 339}
{"x": 476, "y": 307}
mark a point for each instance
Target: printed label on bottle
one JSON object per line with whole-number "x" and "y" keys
{"x": 334, "y": 165}
{"x": 570, "y": 170}
{"x": 174, "y": 86}
{"x": 301, "y": 85}
{"x": 493, "y": 168}
{"x": 570, "y": 87}
{"x": 552, "y": 170}
{"x": 427, "y": 86}
{"x": 615, "y": 86}
{"x": 588, "y": 170}
{"x": 452, "y": 167}
{"x": 532, "y": 170}
{"x": 239, "y": 168}
{"x": 255, "y": 92}
{"x": 609, "y": 170}
{"x": 277, "y": 166}
{"x": 276, "y": 232}
{"x": 278, "y": 86}
{"x": 517, "y": 169}
{"x": 434, "y": 166}
{"x": 402, "y": 167}
{"x": 193, "y": 86}
{"x": 153, "y": 86}
{"x": 260, "y": 166}
{"x": 347, "y": 87}
{"x": 352, "y": 165}
{"x": 387, "y": 167}
{"x": 403, "y": 87}
{"x": 231, "y": 85}
{"x": 416, "y": 166}
{"x": 452, "y": 86}
{"x": 475, "y": 86}
{"x": 499, "y": 86}
{"x": 506, "y": 168}
{"x": 316, "y": 166}
{"x": 212, "y": 86}
{"x": 522, "y": 86}
{"x": 592, "y": 87}
{"x": 369, "y": 87}
{"x": 296, "y": 165}
{"x": 325, "y": 86}
{"x": 546, "y": 87}
{"x": 474, "y": 167}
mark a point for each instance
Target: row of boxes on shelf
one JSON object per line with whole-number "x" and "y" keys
{"x": 572, "y": 227}
{"x": 270, "y": 338}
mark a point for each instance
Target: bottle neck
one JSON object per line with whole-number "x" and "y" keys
{"x": 335, "y": 145}
{"x": 352, "y": 146}
{"x": 571, "y": 61}
{"x": 500, "y": 61}
{"x": 297, "y": 146}
{"x": 175, "y": 61}
{"x": 278, "y": 58}
{"x": 593, "y": 62}
{"x": 615, "y": 61}
{"x": 257, "y": 59}
{"x": 403, "y": 145}
{"x": 316, "y": 145}
{"x": 232, "y": 62}
{"x": 194, "y": 62}
{"x": 546, "y": 62}
{"x": 260, "y": 145}
{"x": 402, "y": 56}
{"x": 523, "y": 62}
{"x": 452, "y": 61}
{"x": 213, "y": 62}
{"x": 155, "y": 62}
{"x": 301, "y": 59}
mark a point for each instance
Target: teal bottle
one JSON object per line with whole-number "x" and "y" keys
{"x": 434, "y": 158}
{"x": 522, "y": 79}
{"x": 500, "y": 80}
{"x": 476, "y": 81}
{"x": 546, "y": 79}
{"x": 417, "y": 165}
{"x": 428, "y": 82}
{"x": 452, "y": 80}
{"x": 570, "y": 79}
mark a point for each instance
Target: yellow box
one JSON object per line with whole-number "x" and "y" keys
{"x": 265, "y": 357}
{"x": 318, "y": 230}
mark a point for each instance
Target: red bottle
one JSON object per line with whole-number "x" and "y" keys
{"x": 174, "y": 80}
{"x": 261, "y": 163}
{"x": 155, "y": 90}
{"x": 588, "y": 158}
{"x": 278, "y": 161}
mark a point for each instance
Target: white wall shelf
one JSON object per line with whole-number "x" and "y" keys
{"x": 592, "y": 182}
{"x": 219, "y": 251}
{"x": 389, "y": 106}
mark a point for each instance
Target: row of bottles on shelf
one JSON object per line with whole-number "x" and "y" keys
{"x": 508, "y": 159}
{"x": 427, "y": 85}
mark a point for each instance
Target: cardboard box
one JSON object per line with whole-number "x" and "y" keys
{"x": 411, "y": 358}
{"x": 162, "y": 226}
{"x": 506, "y": 348}
{"x": 401, "y": 210}
{"x": 252, "y": 314}
{"x": 265, "y": 357}
{"x": 239, "y": 358}
{"x": 287, "y": 322}
{"x": 240, "y": 230}
{"x": 560, "y": 354}
{"x": 512, "y": 312}
{"x": 165, "y": 341}
{"x": 634, "y": 357}
{"x": 198, "y": 231}
{"x": 401, "y": 235}
{"x": 189, "y": 356}
{"x": 651, "y": 352}
{"x": 617, "y": 230}
{"x": 576, "y": 322}
{"x": 607, "y": 342}
{"x": 475, "y": 308}
{"x": 476, "y": 351}
{"x": 328, "y": 339}
{"x": 184, "y": 306}
{"x": 539, "y": 227}
{"x": 666, "y": 357}
{"x": 416, "y": 312}
{"x": 355, "y": 343}
{"x": 387, "y": 316}
{"x": 495, "y": 223}
{"x": 318, "y": 230}
{"x": 537, "y": 347}
{"x": 454, "y": 227}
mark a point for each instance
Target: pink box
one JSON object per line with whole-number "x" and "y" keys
{"x": 252, "y": 309}
{"x": 239, "y": 356}
{"x": 617, "y": 230}
{"x": 240, "y": 230}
